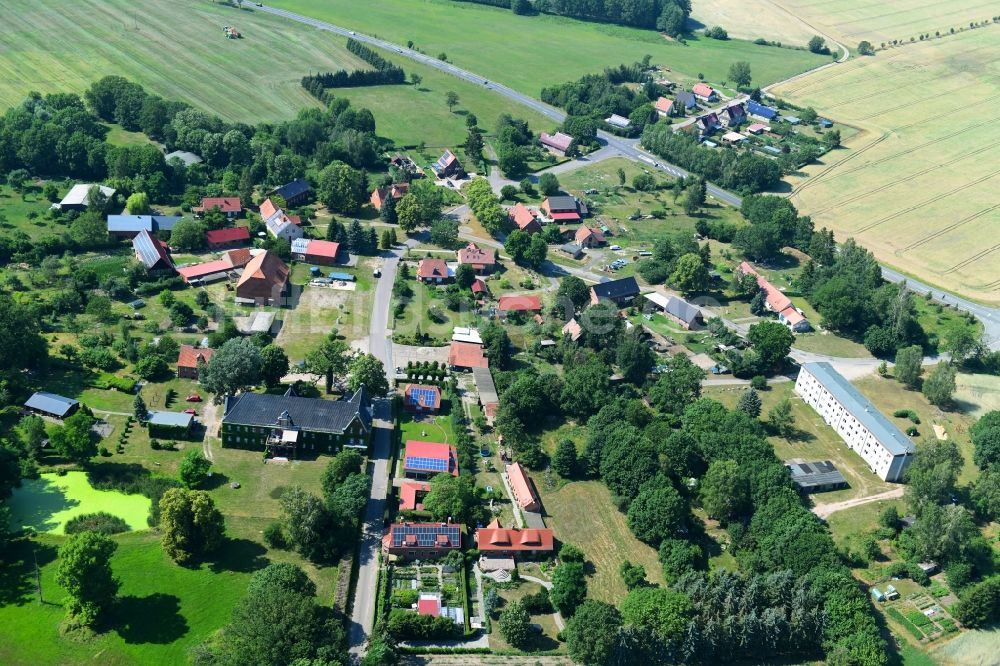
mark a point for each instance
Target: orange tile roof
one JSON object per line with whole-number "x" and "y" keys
{"x": 521, "y": 216}
{"x": 663, "y": 104}
{"x": 224, "y": 204}
{"x": 467, "y": 355}
{"x": 473, "y": 254}
{"x": 520, "y": 483}
{"x": 519, "y": 303}
{"x": 496, "y": 538}
{"x": 702, "y": 90}
{"x": 323, "y": 248}
{"x": 188, "y": 356}
{"x": 432, "y": 268}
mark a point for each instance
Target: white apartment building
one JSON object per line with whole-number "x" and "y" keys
{"x": 886, "y": 449}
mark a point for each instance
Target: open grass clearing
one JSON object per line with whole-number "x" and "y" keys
{"x": 47, "y": 503}
{"x": 529, "y": 52}
{"x": 915, "y": 187}
{"x": 541, "y": 641}
{"x": 582, "y": 513}
{"x": 174, "y": 49}
{"x": 848, "y": 525}
{"x": 977, "y": 394}
{"x": 427, "y": 427}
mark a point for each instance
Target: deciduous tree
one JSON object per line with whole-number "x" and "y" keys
{"x": 236, "y": 366}
{"x": 515, "y": 624}
{"x": 592, "y": 633}
{"x": 194, "y": 468}
{"x": 190, "y": 523}
{"x": 368, "y": 370}
{"x": 84, "y": 571}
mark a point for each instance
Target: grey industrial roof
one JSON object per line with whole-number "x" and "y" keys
{"x": 617, "y": 288}
{"x": 151, "y": 223}
{"x": 170, "y": 419}
{"x": 188, "y": 158}
{"x": 79, "y": 194}
{"x": 682, "y": 310}
{"x": 562, "y": 202}
{"x": 485, "y": 386}
{"x": 861, "y": 408}
{"x": 51, "y": 403}
{"x": 811, "y": 474}
{"x": 263, "y": 410}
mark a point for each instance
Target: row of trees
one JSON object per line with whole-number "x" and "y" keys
{"x": 486, "y": 206}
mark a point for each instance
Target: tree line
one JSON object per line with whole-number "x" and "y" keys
{"x": 384, "y": 73}
{"x": 669, "y": 16}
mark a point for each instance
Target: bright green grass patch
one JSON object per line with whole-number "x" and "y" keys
{"x": 45, "y": 504}
{"x": 119, "y": 136}
{"x": 163, "y": 610}
{"x": 174, "y": 49}
{"x": 529, "y": 52}
{"x": 437, "y": 428}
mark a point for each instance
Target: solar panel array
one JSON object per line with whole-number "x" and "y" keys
{"x": 423, "y": 396}
{"x": 427, "y": 535}
{"x": 429, "y": 464}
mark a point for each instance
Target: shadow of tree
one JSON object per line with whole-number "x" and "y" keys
{"x": 17, "y": 580}
{"x": 242, "y": 555}
{"x": 217, "y": 480}
{"x": 36, "y": 501}
{"x": 152, "y": 619}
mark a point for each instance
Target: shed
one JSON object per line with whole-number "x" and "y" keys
{"x": 169, "y": 424}
{"x": 51, "y": 404}
{"x": 344, "y": 277}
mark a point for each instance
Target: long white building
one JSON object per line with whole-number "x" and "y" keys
{"x": 886, "y": 449}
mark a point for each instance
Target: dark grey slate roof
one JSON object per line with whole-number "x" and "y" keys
{"x": 682, "y": 310}
{"x": 293, "y": 189}
{"x": 562, "y": 202}
{"x": 51, "y": 403}
{"x": 617, "y": 288}
{"x": 891, "y": 437}
{"x": 686, "y": 99}
{"x": 151, "y": 223}
{"x": 821, "y": 473}
{"x": 333, "y": 416}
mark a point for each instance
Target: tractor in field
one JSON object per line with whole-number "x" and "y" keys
{"x": 231, "y": 32}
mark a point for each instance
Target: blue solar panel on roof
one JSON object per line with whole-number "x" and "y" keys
{"x": 432, "y": 464}
{"x": 426, "y": 535}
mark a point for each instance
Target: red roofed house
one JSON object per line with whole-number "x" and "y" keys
{"x": 558, "y": 141}
{"x": 466, "y": 356}
{"x": 561, "y": 209}
{"x": 322, "y": 252}
{"x": 520, "y": 303}
{"x": 705, "y": 92}
{"x": 479, "y": 287}
{"x": 422, "y": 540}
{"x": 187, "y": 360}
{"x": 777, "y": 302}
{"x": 263, "y": 280}
{"x": 231, "y": 207}
{"x": 433, "y": 271}
{"x": 420, "y": 398}
{"x": 397, "y": 191}
{"x": 524, "y": 219}
{"x": 589, "y": 237}
{"x": 495, "y": 540}
{"x": 665, "y": 107}
{"x": 423, "y": 460}
{"x": 523, "y": 488}
{"x": 483, "y": 262}
{"x": 572, "y": 329}
{"x": 219, "y": 239}
{"x": 231, "y": 260}
{"x": 410, "y": 494}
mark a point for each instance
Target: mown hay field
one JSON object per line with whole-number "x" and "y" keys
{"x": 918, "y": 184}
{"x": 175, "y": 49}
{"x": 851, "y": 21}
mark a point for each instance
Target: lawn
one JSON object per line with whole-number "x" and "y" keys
{"x": 427, "y": 427}
{"x": 418, "y": 115}
{"x": 119, "y": 136}
{"x": 848, "y": 524}
{"x": 427, "y": 310}
{"x": 914, "y": 186}
{"x": 47, "y": 503}
{"x": 546, "y": 640}
{"x": 174, "y": 49}
{"x": 583, "y": 514}
{"x": 977, "y": 394}
{"x": 26, "y": 210}
{"x": 613, "y": 204}
{"x": 529, "y": 52}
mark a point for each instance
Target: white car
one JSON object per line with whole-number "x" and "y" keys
{"x": 353, "y": 33}
{"x": 616, "y": 247}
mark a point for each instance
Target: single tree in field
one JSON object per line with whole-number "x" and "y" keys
{"x": 739, "y": 73}
{"x": 564, "y": 461}
{"x": 781, "y": 419}
{"x": 817, "y": 44}
{"x": 415, "y": 78}
{"x": 194, "y": 469}
{"x": 750, "y": 402}
{"x": 139, "y": 409}
{"x": 621, "y": 177}
{"x": 190, "y": 523}
{"x": 548, "y": 184}
{"x": 451, "y": 99}
{"x": 85, "y": 573}
{"x": 908, "y": 366}
{"x": 939, "y": 387}
{"x": 515, "y": 624}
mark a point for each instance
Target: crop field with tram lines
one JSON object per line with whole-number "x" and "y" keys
{"x": 918, "y": 184}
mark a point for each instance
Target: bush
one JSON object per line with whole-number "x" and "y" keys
{"x": 101, "y": 522}
{"x": 274, "y": 536}
{"x": 758, "y": 382}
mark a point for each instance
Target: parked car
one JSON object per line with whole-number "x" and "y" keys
{"x": 191, "y": 411}
{"x": 194, "y": 397}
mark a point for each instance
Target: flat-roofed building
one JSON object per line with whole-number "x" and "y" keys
{"x": 863, "y": 428}
{"x": 816, "y": 477}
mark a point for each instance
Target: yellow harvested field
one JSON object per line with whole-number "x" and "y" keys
{"x": 751, "y": 20}
{"x": 877, "y": 21}
{"x": 917, "y": 185}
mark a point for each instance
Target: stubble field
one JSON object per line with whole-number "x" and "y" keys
{"x": 918, "y": 184}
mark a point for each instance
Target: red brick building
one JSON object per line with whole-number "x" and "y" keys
{"x": 187, "y": 360}
{"x": 523, "y": 488}
{"x": 433, "y": 271}
{"x": 422, "y": 540}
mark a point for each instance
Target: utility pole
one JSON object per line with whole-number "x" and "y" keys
{"x": 38, "y": 578}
